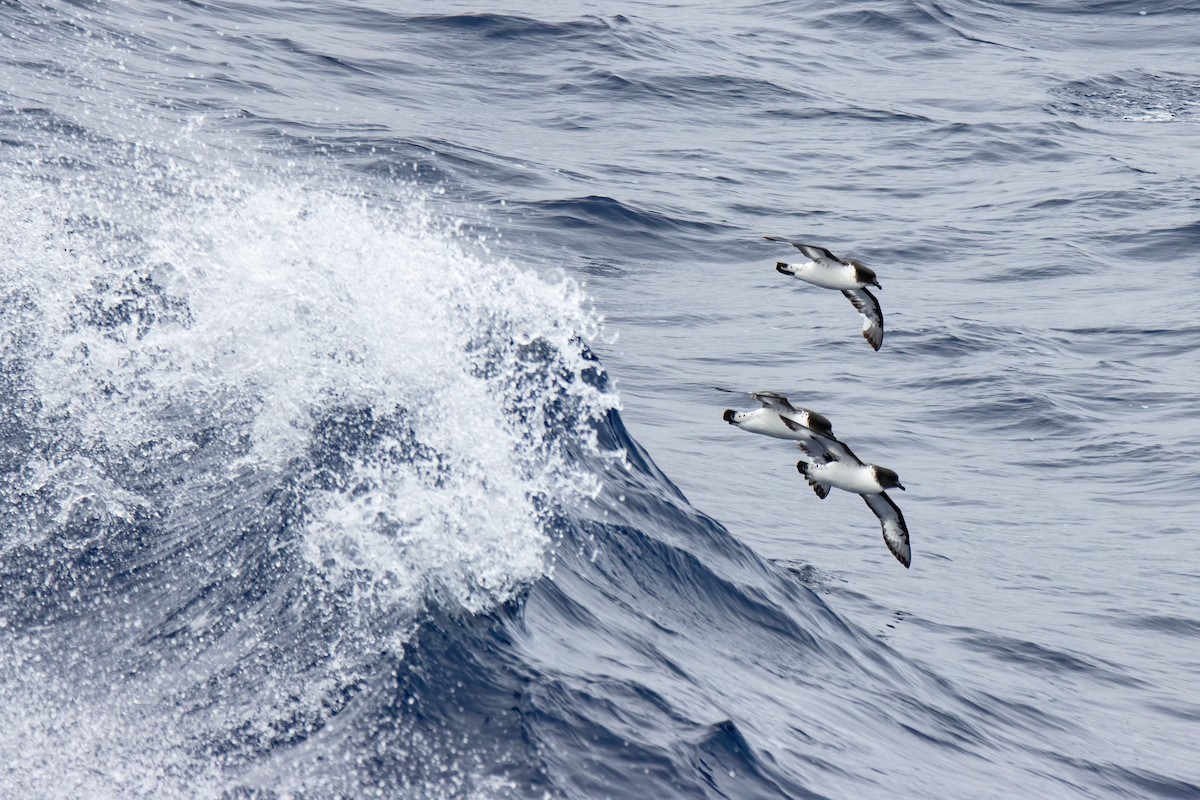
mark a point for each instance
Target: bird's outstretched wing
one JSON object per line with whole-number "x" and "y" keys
{"x": 818, "y": 254}
{"x": 895, "y": 532}
{"x": 774, "y": 401}
{"x": 866, "y": 304}
{"x": 820, "y": 447}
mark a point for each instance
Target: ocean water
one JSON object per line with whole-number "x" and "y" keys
{"x": 360, "y": 432}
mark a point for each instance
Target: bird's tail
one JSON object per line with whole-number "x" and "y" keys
{"x": 821, "y": 489}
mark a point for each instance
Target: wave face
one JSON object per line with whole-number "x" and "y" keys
{"x": 315, "y": 478}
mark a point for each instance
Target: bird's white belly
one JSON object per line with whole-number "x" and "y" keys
{"x": 837, "y": 278}
{"x": 768, "y": 423}
{"x": 847, "y": 477}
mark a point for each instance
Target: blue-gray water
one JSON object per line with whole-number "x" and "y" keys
{"x": 359, "y": 431}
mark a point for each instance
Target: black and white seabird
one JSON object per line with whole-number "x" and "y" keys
{"x": 774, "y": 405}
{"x": 769, "y": 420}
{"x": 851, "y": 277}
{"x": 830, "y": 464}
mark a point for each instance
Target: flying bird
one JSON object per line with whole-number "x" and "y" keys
{"x": 768, "y": 420}
{"x": 830, "y": 464}
{"x": 848, "y": 275}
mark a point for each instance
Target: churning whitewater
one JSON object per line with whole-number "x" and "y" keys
{"x": 253, "y": 433}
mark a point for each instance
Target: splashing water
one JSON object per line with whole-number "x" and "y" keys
{"x": 276, "y": 390}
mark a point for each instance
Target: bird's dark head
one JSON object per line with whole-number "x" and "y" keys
{"x": 865, "y": 274}
{"x": 786, "y": 269}
{"x": 888, "y": 479}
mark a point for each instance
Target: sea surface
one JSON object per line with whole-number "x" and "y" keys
{"x": 360, "y": 432}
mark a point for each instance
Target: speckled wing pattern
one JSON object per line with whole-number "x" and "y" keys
{"x": 866, "y": 304}
{"x": 774, "y": 401}
{"x": 819, "y": 447}
{"x": 895, "y": 532}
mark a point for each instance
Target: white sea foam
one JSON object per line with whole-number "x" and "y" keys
{"x": 276, "y": 305}
{"x": 168, "y": 348}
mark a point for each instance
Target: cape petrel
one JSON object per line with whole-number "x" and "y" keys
{"x": 830, "y": 464}
{"x": 768, "y": 420}
{"x": 848, "y": 275}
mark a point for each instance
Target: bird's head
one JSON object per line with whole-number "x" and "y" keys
{"x": 888, "y": 479}
{"x": 864, "y": 273}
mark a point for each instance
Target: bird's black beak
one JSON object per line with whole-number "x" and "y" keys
{"x": 900, "y": 486}
{"x": 781, "y": 267}
{"x": 728, "y": 415}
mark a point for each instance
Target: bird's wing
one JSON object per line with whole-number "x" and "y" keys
{"x": 819, "y": 446}
{"x": 774, "y": 401}
{"x": 818, "y": 254}
{"x": 895, "y": 532}
{"x": 866, "y": 304}
{"x": 839, "y": 450}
